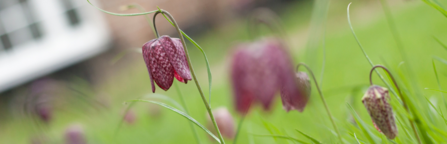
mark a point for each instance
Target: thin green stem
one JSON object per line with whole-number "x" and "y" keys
{"x": 180, "y": 95}
{"x": 322, "y": 99}
{"x": 207, "y": 106}
{"x": 399, "y": 43}
{"x": 400, "y": 94}
{"x": 366, "y": 55}
{"x": 118, "y": 14}
{"x": 239, "y": 127}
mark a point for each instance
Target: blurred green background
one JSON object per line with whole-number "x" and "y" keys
{"x": 344, "y": 81}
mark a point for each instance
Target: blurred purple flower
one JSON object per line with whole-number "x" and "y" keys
{"x": 376, "y": 102}
{"x": 224, "y": 121}
{"x": 165, "y": 59}
{"x": 261, "y": 69}
{"x": 129, "y": 116}
{"x": 75, "y": 135}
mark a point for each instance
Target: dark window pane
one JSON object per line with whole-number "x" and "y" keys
{"x": 5, "y": 41}
{"x": 73, "y": 17}
{"x": 35, "y": 30}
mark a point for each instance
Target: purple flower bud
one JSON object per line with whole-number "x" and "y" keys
{"x": 224, "y": 121}
{"x": 376, "y": 102}
{"x": 75, "y": 135}
{"x": 165, "y": 59}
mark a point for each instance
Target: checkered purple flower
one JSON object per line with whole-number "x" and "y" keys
{"x": 165, "y": 59}
{"x": 376, "y": 102}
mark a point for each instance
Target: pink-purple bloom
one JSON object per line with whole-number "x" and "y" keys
{"x": 165, "y": 59}
{"x": 259, "y": 70}
{"x": 224, "y": 121}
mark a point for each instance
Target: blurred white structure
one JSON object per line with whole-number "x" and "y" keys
{"x": 38, "y": 37}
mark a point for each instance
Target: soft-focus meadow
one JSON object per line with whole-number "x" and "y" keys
{"x": 100, "y": 107}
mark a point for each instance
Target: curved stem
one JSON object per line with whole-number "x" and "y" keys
{"x": 400, "y": 94}
{"x": 322, "y": 99}
{"x": 208, "y": 108}
{"x": 267, "y": 17}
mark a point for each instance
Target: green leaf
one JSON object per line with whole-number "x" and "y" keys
{"x": 282, "y": 137}
{"x": 309, "y": 137}
{"x": 369, "y": 135}
{"x": 118, "y": 14}
{"x": 436, "y": 6}
{"x": 180, "y": 113}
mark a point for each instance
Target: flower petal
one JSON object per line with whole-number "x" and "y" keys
{"x": 174, "y": 49}
{"x": 242, "y": 81}
{"x": 146, "y": 57}
{"x": 293, "y": 97}
{"x": 160, "y": 68}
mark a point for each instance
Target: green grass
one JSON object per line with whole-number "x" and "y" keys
{"x": 346, "y": 68}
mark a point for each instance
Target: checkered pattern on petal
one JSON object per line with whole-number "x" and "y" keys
{"x": 160, "y": 67}
{"x": 376, "y": 102}
{"x": 146, "y": 57}
{"x": 174, "y": 49}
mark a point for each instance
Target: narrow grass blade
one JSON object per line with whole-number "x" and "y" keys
{"x": 355, "y": 136}
{"x": 272, "y": 130}
{"x": 309, "y": 137}
{"x": 182, "y": 114}
{"x": 369, "y": 135}
{"x": 165, "y": 98}
{"x": 440, "y": 60}
{"x": 366, "y": 55}
{"x": 283, "y": 137}
{"x": 436, "y": 6}
{"x": 123, "y": 53}
{"x": 118, "y": 14}
{"x": 445, "y": 121}
{"x": 440, "y": 43}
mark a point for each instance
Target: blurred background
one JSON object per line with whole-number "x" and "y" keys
{"x": 68, "y": 68}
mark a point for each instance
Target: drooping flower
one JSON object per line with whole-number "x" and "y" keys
{"x": 224, "y": 121}
{"x": 376, "y": 102}
{"x": 165, "y": 59}
{"x": 75, "y": 135}
{"x": 261, "y": 69}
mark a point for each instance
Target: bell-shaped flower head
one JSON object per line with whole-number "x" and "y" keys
{"x": 165, "y": 59}
{"x": 261, "y": 69}
{"x": 376, "y": 102}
